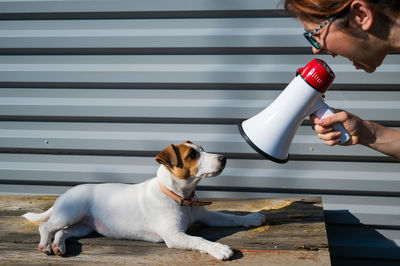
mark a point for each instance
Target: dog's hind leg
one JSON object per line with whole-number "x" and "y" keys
{"x": 59, "y": 220}
{"x": 47, "y": 231}
{"x": 76, "y": 230}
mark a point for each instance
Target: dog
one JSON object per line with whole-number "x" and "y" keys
{"x": 160, "y": 209}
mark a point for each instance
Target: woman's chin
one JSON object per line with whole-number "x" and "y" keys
{"x": 366, "y": 68}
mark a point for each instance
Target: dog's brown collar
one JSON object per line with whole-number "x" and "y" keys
{"x": 182, "y": 201}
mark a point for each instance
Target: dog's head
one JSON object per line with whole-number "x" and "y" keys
{"x": 189, "y": 160}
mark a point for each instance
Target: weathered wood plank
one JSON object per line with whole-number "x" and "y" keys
{"x": 293, "y": 235}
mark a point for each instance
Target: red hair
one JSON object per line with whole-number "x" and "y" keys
{"x": 316, "y": 9}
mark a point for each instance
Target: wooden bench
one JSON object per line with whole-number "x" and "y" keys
{"x": 294, "y": 234}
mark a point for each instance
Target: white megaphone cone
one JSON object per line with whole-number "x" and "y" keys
{"x": 271, "y": 131}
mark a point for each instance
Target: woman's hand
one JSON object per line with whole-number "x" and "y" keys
{"x": 350, "y": 122}
{"x": 367, "y": 133}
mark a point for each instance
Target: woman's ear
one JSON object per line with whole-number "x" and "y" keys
{"x": 362, "y": 14}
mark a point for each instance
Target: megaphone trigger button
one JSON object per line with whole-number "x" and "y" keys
{"x": 299, "y": 71}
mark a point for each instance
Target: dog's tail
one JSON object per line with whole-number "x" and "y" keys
{"x": 38, "y": 217}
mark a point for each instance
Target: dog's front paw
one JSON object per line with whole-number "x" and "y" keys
{"x": 254, "y": 219}
{"x": 58, "y": 249}
{"x": 45, "y": 249}
{"x": 220, "y": 251}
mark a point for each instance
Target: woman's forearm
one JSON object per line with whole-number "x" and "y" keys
{"x": 380, "y": 138}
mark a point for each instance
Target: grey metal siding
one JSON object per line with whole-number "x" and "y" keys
{"x": 90, "y": 91}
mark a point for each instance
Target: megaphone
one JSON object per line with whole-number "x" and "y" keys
{"x": 271, "y": 131}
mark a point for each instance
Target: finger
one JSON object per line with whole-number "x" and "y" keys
{"x": 314, "y": 121}
{"x": 313, "y": 118}
{"x": 333, "y": 119}
{"x": 331, "y": 136}
{"x": 322, "y": 130}
{"x": 332, "y": 142}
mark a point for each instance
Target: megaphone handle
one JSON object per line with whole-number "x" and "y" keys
{"x": 326, "y": 111}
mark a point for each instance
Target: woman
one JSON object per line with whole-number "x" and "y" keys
{"x": 364, "y": 31}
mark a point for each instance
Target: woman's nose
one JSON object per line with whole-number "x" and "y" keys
{"x": 316, "y": 51}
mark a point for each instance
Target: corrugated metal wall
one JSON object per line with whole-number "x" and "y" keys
{"x": 91, "y": 90}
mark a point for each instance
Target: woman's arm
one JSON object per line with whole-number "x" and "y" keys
{"x": 367, "y": 133}
{"x": 380, "y": 138}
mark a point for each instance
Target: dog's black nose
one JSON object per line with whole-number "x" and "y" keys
{"x": 222, "y": 159}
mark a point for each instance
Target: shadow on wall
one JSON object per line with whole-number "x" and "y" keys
{"x": 353, "y": 242}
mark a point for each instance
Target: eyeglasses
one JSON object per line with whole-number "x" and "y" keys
{"x": 309, "y": 35}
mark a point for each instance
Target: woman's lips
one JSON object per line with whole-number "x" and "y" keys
{"x": 357, "y": 65}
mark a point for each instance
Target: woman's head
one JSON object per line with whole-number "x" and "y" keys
{"x": 356, "y": 29}
{"x": 317, "y": 10}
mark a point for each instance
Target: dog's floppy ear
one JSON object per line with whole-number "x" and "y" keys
{"x": 189, "y": 142}
{"x": 168, "y": 157}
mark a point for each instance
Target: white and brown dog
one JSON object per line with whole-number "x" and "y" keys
{"x": 157, "y": 210}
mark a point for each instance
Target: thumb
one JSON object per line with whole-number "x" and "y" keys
{"x": 333, "y": 119}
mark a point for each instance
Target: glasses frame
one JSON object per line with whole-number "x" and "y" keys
{"x": 309, "y": 35}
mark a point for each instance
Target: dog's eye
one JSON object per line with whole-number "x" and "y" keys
{"x": 192, "y": 154}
